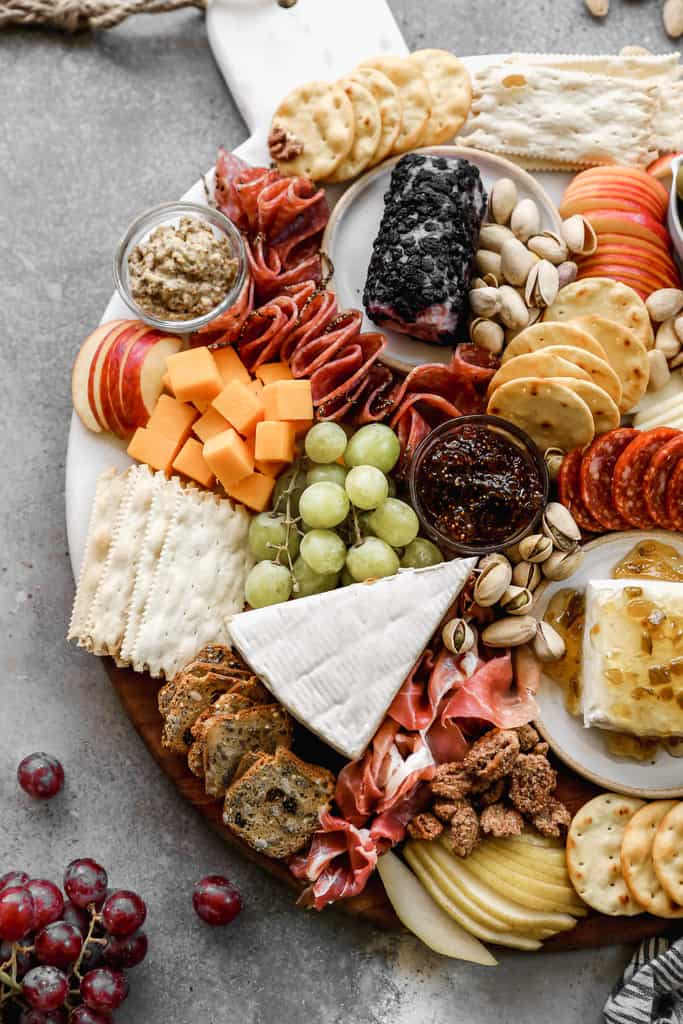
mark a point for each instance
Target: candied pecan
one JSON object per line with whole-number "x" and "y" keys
{"x": 528, "y": 737}
{"x": 492, "y": 794}
{"x": 451, "y": 782}
{"x": 463, "y": 834}
{"x": 541, "y": 748}
{"x": 501, "y": 821}
{"x": 493, "y": 755}
{"x": 283, "y": 145}
{"x": 445, "y": 809}
{"x": 532, "y": 784}
{"x": 424, "y": 826}
{"x": 553, "y": 820}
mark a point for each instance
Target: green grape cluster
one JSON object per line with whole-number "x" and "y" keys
{"x": 335, "y": 519}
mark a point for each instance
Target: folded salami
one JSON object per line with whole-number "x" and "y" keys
{"x": 423, "y": 254}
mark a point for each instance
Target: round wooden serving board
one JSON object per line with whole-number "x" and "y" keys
{"x": 138, "y": 695}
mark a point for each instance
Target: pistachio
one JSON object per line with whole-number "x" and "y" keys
{"x": 510, "y": 632}
{"x": 559, "y": 525}
{"x": 664, "y": 304}
{"x": 678, "y": 328}
{"x": 553, "y": 457}
{"x": 512, "y": 311}
{"x": 672, "y": 16}
{"x": 516, "y": 261}
{"x": 487, "y": 334}
{"x": 496, "y": 558}
{"x": 567, "y": 273}
{"x": 488, "y": 263}
{"x": 548, "y": 645}
{"x": 503, "y": 200}
{"x": 534, "y": 315}
{"x": 536, "y": 548}
{"x": 659, "y": 370}
{"x": 676, "y": 362}
{"x": 516, "y": 600}
{"x": 458, "y": 636}
{"x": 491, "y": 583}
{"x": 526, "y": 574}
{"x": 542, "y": 285}
{"x": 549, "y": 246}
{"x": 477, "y": 282}
{"x": 525, "y": 220}
{"x": 491, "y": 280}
{"x": 484, "y": 301}
{"x": 562, "y": 564}
{"x": 667, "y": 339}
{"x": 492, "y": 236}
{"x": 579, "y": 235}
{"x": 512, "y": 554}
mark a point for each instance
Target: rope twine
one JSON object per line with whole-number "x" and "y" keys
{"x": 77, "y": 15}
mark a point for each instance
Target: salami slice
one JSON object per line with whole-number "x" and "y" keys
{"x": 674, "y": 497}
{"x": 657, "y": 477}
{"x": 569, "y": 491}
{"x": 597, "y": 470}
{"x": 629, "y": 475}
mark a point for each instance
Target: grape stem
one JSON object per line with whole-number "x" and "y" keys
{"x": 356, "y": 525}
{"x": 95, "y": 918}
{"x": 290, "y": 523}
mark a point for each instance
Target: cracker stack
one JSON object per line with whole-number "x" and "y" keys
{"x": 164, "y": 567}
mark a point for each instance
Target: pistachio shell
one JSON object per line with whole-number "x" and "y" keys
{"x": 488, "y": 263}
{"x": 542, "y": 285}
{"x": 659, "y": 370}
{"x": 553, "y": 457}
{"x": 492, "y": 236}
{"x": 579, "y": 235}
{"x": 536, "y": 548}
{"x": 676, "y": 362}
{"x": 510, "y": 632}
{"x": 525, "y": 220}
{"x": 664, "y": 304}
{"x": 678, "y": 328}
{"x": 667, "y": 339}
{"x": 484, "y": 301}
{"x": 458, "y": 636}
{"x": 491, "y": 583}
{"x": 562, "y": 564}
{"x": 516, "y": 261}
{"x": 477, "y": 282}
{"x": 516, "y": 600}
{"x": 548, "y": 645}
{"x": 513, "y": 555}
{"x": 567, "y": 273}
{"x": 512, "y": 311}
{"x": 526, "y": 574}
{"x": 487, "y": 334}
{"x": 549, "y": 246}
{"x": 559, "y": 526}
{"x": 503, "y": 200}
{"x": 495, "y": 558}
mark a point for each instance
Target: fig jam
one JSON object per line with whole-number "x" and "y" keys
{"x": 478, "y": 487}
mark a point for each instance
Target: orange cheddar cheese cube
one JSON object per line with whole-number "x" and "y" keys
{"x": 268, "y": 373}
{"x": 210, "y": 424}
{"x": 155, "y": 450}
{"x": 268, "y": 468}
{"x": 240, "y": 406}
{"x": 274, "y": 441}
{"x": 288, "y": 400}
{"x": 230, "y": 366}
{"x": 228, "y": 457}
{"x": 172, "y": 418}
{"x": 256, "y": 386}
{"x": 201, "y": 405}
{"x": 190, "y": 462}
{"x": 166, "y": 383}
{"x": 194, "y": 375}
{"x": 254, "y": 491}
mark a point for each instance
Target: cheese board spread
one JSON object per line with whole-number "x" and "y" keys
{"x": 383, "y": 487}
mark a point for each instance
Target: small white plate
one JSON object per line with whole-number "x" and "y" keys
{"x": 583, "y": 749}
{"x": 353, "y": 226}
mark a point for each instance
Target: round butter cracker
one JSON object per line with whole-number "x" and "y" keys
{"x": 636, "y": 860}
{"x": 389, "y": 105}
{"x": 594, "y": 854}
{"x": 543, "y": 335}
{"x": 598, "y": 370}
{"x": 625, "y": 353}
{"x": 451, "y": 88}
{"x": 416, "y": 99}
{"x": 600, "y": 296}
{"x": 367, "y": 131}
{"x": 550, "y": 413}
{"x": 667, "y": 853}
{"x": 312, "y": 130}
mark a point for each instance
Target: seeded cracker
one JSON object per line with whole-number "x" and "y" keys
{"x": 312, "y": 130}
{"x": 389, "y": 104}
{"x": 108, "y": 495}
{"x": 197, "y": 586}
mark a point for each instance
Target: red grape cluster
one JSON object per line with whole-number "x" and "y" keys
{"x": 63, "y": 954}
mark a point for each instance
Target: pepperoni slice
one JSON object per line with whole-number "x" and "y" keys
{"x": 674, "y": 497}
{"x": 629, "y": 475}
{"x": 657, "y": 478}
{"x": 597, "y": 470}
{"x": 569, "y": 491}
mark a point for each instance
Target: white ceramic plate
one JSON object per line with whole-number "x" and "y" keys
{"x": 583, "y": 749}
{"x": 353, "y": 226}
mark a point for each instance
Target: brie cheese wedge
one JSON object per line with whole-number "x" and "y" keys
{"x": 337, "y": 660}
{"x": 633, "y": 657}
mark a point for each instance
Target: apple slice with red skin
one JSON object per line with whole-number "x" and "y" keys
{"x": 644, "y": 262}
{"x": 97, "y": 366}
{"x": 618, "y": 189}
{"x": 580, "y": 204}
{"x": 626, "y": 275}
{"x": 80, "y": 375}
{"x": 109, "y": 378}
{"x": 642, "y": 225}
{"x": 612, "y": 172}
{"x": 141, "y": 376}
{"x": 660, "y": 169}
{"x": 652, "y": 248}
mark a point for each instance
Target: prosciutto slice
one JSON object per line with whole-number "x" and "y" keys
{"x": 488, "y": 694}
{"x": 338, "y": 863}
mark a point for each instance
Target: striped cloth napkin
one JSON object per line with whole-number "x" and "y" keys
{"x": 651, "y": 989}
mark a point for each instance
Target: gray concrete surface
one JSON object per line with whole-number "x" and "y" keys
{"x": 93, "y": 129}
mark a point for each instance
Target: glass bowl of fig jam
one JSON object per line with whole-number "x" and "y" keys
{"x": 478, "y": 484}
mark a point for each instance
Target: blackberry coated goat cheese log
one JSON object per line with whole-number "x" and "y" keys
{"x": 422, "y": 257}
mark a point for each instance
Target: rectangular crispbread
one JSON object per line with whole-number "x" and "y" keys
{"x": 668, "y": 123}
{"x": 108, "y": 495}
{"x": 161, "y": 513}
{"x": 662, "y": 67}
{"x": 198, "y": 583}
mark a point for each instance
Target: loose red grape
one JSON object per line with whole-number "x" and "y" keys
{"x": 58, "y": 944}
{"x": 13, "y": 878}
{"x": 57, "y": 1016}
{"x": 16, "y": 913}
{"x": 41, "y": 776}
{"x": 84, "y": 1015}
{"x": 45, "y": 988}
{"x": 23, "y": 960}
{"x": 216, "y": 900}
{"x": 123, "y": 912}
{"x": 76, "y": 916}
{"x": 85, "y": 882}
{"x": 127, "y": 952}
{"x": 48, "y": 902}
{"x": 104, "y": 989}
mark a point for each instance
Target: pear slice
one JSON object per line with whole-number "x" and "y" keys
{"x": 534, "y": 867}
{"x": 545, "y": 855}
{"x": 536, "y": 895}
{"x": 416, "y": 909}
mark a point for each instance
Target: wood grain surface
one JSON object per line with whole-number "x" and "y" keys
{"x": 138, "y": 694}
